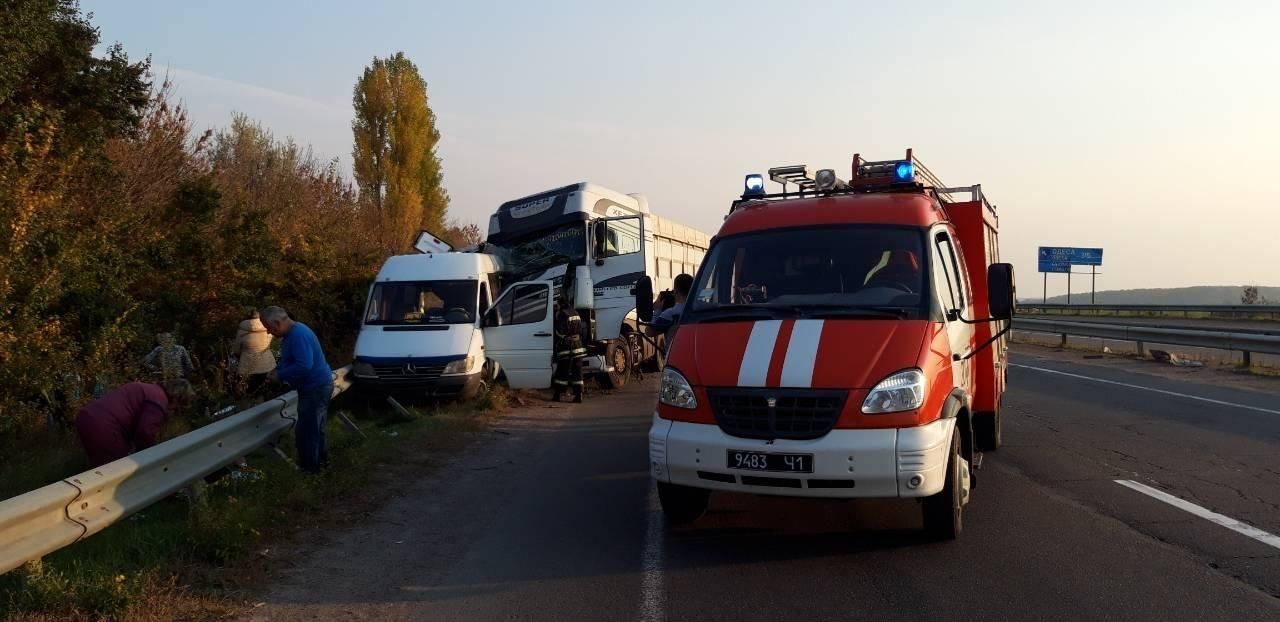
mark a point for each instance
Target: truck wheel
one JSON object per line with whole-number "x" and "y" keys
{"x": 944, "y": 512}
{"x": 682, "y": 505}
{"x": 986, "y": 429}
{"x": 618, "y": 356}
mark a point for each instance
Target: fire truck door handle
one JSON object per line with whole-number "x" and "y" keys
{"x": 542, "y": 334}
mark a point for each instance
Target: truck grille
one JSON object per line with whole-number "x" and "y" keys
{"x": 797, "y": 414}
{"x": 401, "y": 373}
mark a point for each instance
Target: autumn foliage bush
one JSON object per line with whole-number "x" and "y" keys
{"x": 118, "y": 221}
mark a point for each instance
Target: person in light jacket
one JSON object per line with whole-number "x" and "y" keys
{"x": 254, "y": 360}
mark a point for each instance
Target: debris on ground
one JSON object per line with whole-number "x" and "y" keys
{"x": 1161, "y": 356}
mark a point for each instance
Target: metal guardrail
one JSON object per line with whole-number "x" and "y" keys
{"x": 44, "y": 520}
{"x": 1265, "y": 312}
{"x": 1212, "y": 339}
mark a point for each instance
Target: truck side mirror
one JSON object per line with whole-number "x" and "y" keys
{"x": 599, "y": 239}
{"x": 584, "y": 290}
{"x": 644, "y": 299}
{"x": 1000, "y": 291}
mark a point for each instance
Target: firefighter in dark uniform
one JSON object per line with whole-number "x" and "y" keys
{"x": 570, "y": 352}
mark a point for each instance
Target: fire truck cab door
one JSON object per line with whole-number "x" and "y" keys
{"x": 951, "y": 286}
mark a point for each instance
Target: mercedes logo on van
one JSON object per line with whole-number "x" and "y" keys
{"x": 410, "y": 369}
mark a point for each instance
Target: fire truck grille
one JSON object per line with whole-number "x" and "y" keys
{"x": 797, "y": 414}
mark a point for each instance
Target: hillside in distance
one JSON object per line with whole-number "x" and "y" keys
{"x": 1199, "y": 295}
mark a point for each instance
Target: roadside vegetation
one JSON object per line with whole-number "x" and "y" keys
{"x": 194, "y": 560}
{"x": 119, "y": 219}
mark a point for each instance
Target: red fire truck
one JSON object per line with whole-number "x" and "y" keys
{"x": 843, "y": 339}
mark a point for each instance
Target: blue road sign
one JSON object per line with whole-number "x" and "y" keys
{"x": 1086, "y": 256}
{"x": 1061, "y": 258}
{"x": 1055, "y": 259}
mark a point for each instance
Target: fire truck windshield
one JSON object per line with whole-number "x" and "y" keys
{"x": 859, "y": 270}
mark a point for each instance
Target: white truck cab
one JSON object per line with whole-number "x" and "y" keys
{"x": 420, "y": 331}
{"x": 589, "y": 246}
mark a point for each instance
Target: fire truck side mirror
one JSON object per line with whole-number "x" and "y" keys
{"x": 1000, "y": 291}
{"x": 644, "y": 299}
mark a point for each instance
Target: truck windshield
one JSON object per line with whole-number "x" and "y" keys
{"x": 532, "y": 254}
{"x": 422, "y": 302}
{"x": 858, "y": 270}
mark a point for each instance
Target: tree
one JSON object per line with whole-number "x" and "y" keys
{"x": 395, "y": 161}
{"x": 1251, "y": 296}
{"x": 462, "y": 236}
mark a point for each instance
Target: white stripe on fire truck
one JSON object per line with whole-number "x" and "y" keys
{"x": 802, "y": 351}
{"x": 755, "y": 361}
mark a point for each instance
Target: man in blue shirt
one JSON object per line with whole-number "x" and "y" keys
{"x": 303, "y": 366}
{"x": 671, "y": 315}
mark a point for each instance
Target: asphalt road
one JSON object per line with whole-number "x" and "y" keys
{"x": 553, "y": 518}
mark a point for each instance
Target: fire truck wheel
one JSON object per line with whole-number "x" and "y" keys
{"x": 944, "y": 512}
{"x": 986, "y": 429}
{"x": 682, "y": 505}
{"x": 618, "y": 356}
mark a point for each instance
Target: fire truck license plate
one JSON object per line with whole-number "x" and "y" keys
{"x": 761, "y": 461}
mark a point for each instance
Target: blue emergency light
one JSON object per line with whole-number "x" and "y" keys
{"x": 904, "y": 171}
{"x": 754, "y": 185}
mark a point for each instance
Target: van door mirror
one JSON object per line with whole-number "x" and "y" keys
{"x": 599, "y": 240}
{"x": 1000, "y": 291}
{"x": 644, "y": 299}
{"x": 584, "y": 290}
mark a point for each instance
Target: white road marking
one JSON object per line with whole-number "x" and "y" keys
{"x": 802, "y": 352}
{"x": 1138, "y": 386}
{"x": 755, "y": 361}
{"x": 1243, "y": 529}
{"x": 652, "y": 594}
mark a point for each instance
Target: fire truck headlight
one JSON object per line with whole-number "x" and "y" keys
{"x": 754, "y": 185}
{"x": 904, "y": 171}
{"x": 901, "y": 391}
{"x": 676, "y": 391}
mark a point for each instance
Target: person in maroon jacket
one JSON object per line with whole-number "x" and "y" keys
{"x": 128, "y": 418}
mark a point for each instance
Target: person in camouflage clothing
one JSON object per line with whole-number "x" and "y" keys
{"x": 168, "y": 358}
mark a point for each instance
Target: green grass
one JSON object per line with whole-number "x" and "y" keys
{"x": 166, "y": 561}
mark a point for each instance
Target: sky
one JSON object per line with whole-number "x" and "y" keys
{"x": 1149, "y": 129}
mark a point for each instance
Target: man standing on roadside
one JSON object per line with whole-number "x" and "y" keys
{"x": 303, "y": 366}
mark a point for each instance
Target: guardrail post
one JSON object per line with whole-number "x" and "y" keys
{"x": 1063, "y": 343}
{"x": 197, "y": 498}
{"x": 1248, "y": 360}
{"x": 1142, "y": 350}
